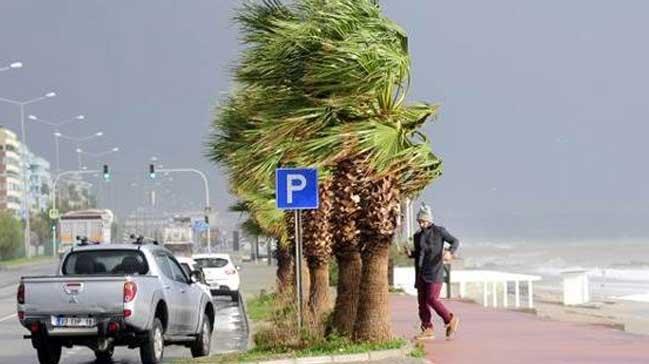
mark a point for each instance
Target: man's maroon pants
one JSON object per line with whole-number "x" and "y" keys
{"x": 428, "y": 297}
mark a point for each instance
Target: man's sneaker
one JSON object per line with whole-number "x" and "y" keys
{"x": 426, "y": 334}
{"x": 452, "y": 326}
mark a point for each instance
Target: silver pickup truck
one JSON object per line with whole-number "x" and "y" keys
{"x": 134, "y": 295}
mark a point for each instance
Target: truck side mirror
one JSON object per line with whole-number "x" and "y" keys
{"x": 196, "y": 276}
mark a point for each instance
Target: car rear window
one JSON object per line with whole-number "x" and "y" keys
{"x": 101, "y": 262}
{"x": 211, "y": 262}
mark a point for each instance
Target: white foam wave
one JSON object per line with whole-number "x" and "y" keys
{"x": 641, "y": 275}
{"x": 633, "y": 275}
{"x": 491, "y": 245}
{"x": 635, "y": 298}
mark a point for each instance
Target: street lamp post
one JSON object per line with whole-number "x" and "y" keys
{"x": 26, "y": 193}
{"x": 97, "y": 155}
{"x": 57, "y": 126}
{"x": 78, "y": 140}
{"x": 14, "y": 65}
{"x": 100, "y": 154}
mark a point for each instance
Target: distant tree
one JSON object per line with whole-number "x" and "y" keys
{"x": 41, "y": 225}
{"x": 115, "y": 229}
{"x": 11, "y": 236}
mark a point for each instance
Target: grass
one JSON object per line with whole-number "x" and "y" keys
{"x": 19, "y": 261}
{"x": 418, "y": 351}
{"x": 333, "y": 346}
{"x": 260, "y": 308}
{"x": 277, "y": 336}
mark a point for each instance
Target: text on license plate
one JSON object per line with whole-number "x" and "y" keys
{"x": 64, "y": 321}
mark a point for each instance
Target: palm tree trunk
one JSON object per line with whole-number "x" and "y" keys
{"x": 306, "y": 285}
{"x": 317, "y": 241}
{"x": 380, "y": 204}
{"x": 373, "y": 320}
{"x": 346, "y": 233}
{"x": 349, "y": 277}
{"x": 285, "y": 269}
{"x": 319, "y": 301}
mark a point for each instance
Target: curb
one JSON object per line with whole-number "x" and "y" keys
{"x": 244, "y": 312}
{"x": 346, "y": 358}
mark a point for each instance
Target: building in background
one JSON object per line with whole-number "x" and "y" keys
{"x": 39, "y": 178}
{"x": 11, "y": 172}
{"x": 40, "y": 182}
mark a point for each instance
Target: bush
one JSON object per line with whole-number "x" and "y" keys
{"x": 11, "y": 236}
{"x": 278, "y": 331}
{"x": 260, "y": 308}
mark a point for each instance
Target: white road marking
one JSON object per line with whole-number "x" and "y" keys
{"x": 8, "y": 317}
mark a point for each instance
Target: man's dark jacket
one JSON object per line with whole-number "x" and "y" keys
{"x": 429, "y": 252}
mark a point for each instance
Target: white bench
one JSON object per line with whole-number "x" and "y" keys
{"x": 404, "y": 278}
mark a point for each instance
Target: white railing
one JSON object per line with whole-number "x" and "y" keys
{"x": 492, "y": 284}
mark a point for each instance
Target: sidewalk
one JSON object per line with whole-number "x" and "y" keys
{"x": 501, "y": 337}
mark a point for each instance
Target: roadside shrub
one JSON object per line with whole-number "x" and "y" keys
{"x": 280, "y": 331}
{"x": 11, "y": 236}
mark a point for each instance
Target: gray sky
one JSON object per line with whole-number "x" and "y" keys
{"x": 542, "y": 128}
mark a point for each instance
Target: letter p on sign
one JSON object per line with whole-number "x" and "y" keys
{"x": 296, "y": 188}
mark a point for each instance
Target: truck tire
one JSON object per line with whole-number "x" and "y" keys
{"x": 48, "y": 353}
{"x": 203, "y": 343}
{"x": 235, "y": 296}
{"x": 152, "y": 349}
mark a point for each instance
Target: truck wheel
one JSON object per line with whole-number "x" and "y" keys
{"x": 48, "y": 353}
{"x": 104, "y": 356}
{"x": 152, "y": 349}
{"x": 235, "y": 296}
{"x": 203, "y": 343}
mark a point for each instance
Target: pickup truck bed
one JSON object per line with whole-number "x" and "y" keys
{"x": 74, "y": 295}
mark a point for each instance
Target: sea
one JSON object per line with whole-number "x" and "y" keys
{"x": 617, "y": 269}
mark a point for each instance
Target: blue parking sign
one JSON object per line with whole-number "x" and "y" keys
{"x": 296, "y": 188}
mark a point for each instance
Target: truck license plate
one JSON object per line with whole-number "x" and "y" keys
{"x": 63, "y": 321}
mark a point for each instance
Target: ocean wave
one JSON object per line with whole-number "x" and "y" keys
{"x": 631, "y": 264}
{"x": 492, "y": 245}
{"x": 632, "y": 275}
{"x": 635, "y": 297}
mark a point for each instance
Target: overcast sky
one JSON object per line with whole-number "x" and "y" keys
{"x": 544, "y": 103}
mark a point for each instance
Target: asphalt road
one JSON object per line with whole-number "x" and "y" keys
{"x": 230, "y": 331}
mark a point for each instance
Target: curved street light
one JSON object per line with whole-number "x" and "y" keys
{"x": 78, "y": 140}
{"x": 99, "y": 154}
{"x": 14, "y": 65}
{"x": 57, "y": 125}
{"x": 21, "y": 105}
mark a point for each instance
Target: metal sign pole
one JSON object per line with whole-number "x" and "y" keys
{"x": 298, "y": 266}
{"x": 297, "y": 189}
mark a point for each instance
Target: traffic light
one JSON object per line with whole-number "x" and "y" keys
{"x": 152, "y": 171}
{"x": 106, "y": 173}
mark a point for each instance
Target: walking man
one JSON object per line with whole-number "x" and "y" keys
{"x": 429, "y": 256}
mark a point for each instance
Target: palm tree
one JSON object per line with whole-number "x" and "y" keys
{"x": 346, "y": 212}
{"x": 317, "y": 241}
{"x": 322, "y": 83}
